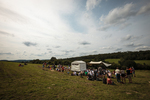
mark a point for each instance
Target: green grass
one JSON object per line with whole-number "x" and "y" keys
{"x": 112, "y": 60}
{"x": 31, "y": 82}
{"x": 147, "y": 62}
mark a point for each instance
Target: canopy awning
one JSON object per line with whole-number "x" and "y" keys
{"x": 100, "y": 62}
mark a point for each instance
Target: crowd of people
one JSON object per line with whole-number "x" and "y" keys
{"x": 59, "y": 68}
{"x": 98, "y": 74}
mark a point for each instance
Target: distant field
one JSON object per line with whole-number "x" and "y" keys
{"x": 147, "y": 62}
{"x": 31, "y": 82}
{"x": 112, "y": 60}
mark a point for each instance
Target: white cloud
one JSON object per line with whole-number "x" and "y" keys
{"x": 133, "y": 45}
{"x": 64, "y": 28}
{"x": 144, "y": 10}
{"x": 90, "y": 4}
{"x": 132, "y": 38}
{"x": 118, "y": 15}
{"x": 143, "y": 48}
{"x": 118, "y": 49}
{"x": 109, "y": 47}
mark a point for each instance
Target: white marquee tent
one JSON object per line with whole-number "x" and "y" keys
{"x": 78, "y": 66}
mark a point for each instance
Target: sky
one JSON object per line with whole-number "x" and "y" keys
{"x": 41, "y": 29}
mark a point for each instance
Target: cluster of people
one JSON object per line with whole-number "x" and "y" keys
{"x": 78, "y": 74}
{"x": 99, "y": 74}
{"x": 105, "y": 75}
{"x": 59, "y": 68}
{"x": 121, "y": 75}
{"x": 20, "y": 65}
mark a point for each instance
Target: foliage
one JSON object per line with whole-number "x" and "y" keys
{"x": 129, "y": 63}
{"x": 138, "y": 64}
{"x": 53, "y": 59}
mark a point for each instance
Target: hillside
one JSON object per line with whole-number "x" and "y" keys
{"x": 31, "y": 82}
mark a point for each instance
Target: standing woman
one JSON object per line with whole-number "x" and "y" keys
{"x": 43, "y": 65}
{"x": 123, "y": 75}
{"x": 133, "y": 71}
{"x": 118, "y": 74}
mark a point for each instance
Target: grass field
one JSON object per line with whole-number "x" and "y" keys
{"x": 147, "y": 62}
{"x": 31, "y": 82}
{"x": 112, "y": 60}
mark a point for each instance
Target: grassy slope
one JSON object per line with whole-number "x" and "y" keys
{"x": 112, "y": 60}
{"x": 31, "y": 82}
{"x": 147, "y": 62}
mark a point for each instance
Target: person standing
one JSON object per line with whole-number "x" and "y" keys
{"x": 133, "y": 71}
{"x": 104, "y": 72}
{"x": 92, "y": 71}
{"x": 54, "y": 66}
{"x": 117, "y": 71}
{"x": 95, "y": 72}
{"x": 129, "y": 75}
{"x": 62, "y": 69}
{"x": 123, "y": 75}
{"x": 43, "y": 65}
{"x": 100, "y": 71}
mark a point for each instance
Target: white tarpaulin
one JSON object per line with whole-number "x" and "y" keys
{"x": 96, "y": 63}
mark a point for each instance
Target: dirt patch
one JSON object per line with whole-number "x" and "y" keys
{"x": 89, "y": 83}
{"x": 135, "y": 91}
{"x": 128, "y": 93}
{"x": 49, "y": 87}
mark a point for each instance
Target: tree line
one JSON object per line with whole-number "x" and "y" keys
{"x": 126, "y": 59}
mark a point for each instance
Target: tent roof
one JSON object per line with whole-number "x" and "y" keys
{"x": 92, "y": 62}
{"x": 79, "y": 62}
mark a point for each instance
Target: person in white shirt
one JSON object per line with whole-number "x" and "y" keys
{"x": 117, "y": 71}
{"x": 92, "y": 72}
{"x": 74, "y": 73}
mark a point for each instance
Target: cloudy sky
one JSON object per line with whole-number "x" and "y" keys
{"x": 41, "y": 29}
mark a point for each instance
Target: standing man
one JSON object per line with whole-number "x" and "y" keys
{"x": 129, "y": 75}
{"x": 117, "y": 71}
{"x": 131, "y": 71}
{"x": 54, "y": 66}
{"x": 62, "y": 69}
{"x": 100, "y": 71}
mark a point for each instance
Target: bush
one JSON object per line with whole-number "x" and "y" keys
{"x": 129, "y": 63}
{"x": 114, "y": 66}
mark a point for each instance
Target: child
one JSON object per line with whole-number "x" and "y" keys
{"x": 109, "y": 81}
